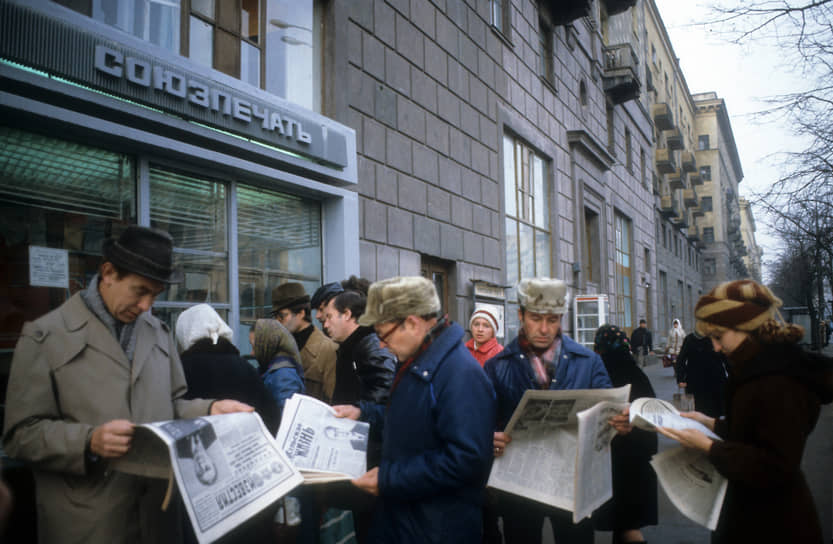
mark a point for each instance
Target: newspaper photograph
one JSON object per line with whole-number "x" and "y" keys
{"x": 594, "y": 474}
{"x": 692, "y": 483}
{"x": 649, "y": 413}
{"x": 227, "y": 467}
{"x": 325, "y": 448}
{"x": 542, "y": 461}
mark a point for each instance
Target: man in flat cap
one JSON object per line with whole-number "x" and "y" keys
{"x": 291, "y": 306}
{"x": 82, "y": 376}
{"x": 437, "y": 426}
{"x": 541, "y": 357}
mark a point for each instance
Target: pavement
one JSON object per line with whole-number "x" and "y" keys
{"x": 674, "y": 528}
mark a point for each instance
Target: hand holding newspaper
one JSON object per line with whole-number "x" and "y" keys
{"x": 325, "y": 448}
{"x": 227, "y": 467}
{"x": 648, "y": 413}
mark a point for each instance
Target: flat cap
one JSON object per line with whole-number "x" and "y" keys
{"x": 325, "y": 293}
{"x": 399, "y": 297}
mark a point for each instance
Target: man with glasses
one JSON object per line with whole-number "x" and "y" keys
{"x": 291, "y": 307}
{"x": 436, "y": 427}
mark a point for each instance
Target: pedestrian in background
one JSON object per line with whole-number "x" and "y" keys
{"x": 483, "y": 344}
{"x": 437, "y": 426}
{"x": 673, "y": 344}
{"x": 642, "y": 343}
{"x": 774, "y": 397}
{"x": 634, "y": 502}
{"x": 701, "y": 371}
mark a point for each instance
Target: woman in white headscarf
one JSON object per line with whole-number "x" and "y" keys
{"x": 675, "y": 341}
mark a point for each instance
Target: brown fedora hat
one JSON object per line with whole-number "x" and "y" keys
{"x": 144, "y": 251}
{"x": 288, "y": 294}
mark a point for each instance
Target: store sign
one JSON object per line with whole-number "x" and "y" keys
{"x": 39, "y": 41}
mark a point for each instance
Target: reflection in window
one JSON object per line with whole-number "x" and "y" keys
{"x": 624, "y": 272}
{"x": 151, "y": 20}
{"x": 293, "y": 51}
{"x": 193, "y": 211}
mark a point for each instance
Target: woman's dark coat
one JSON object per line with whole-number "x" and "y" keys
{"x": 634, "y": 502}
{"x": 774, "y": 396}
{"x": 703, "y": 370}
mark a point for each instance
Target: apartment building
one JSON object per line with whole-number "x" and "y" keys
{"x": 752, "y": 253}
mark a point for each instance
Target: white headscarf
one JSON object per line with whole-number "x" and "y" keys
{"x": 200, "y": 321}
{"x": 675, "y": 337}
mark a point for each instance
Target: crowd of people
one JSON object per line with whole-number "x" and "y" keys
{"x": 437, "y": 403}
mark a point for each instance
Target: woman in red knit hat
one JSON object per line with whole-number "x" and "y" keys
{"x": 773, "y": 396}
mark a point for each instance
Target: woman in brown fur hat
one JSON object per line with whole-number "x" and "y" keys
{"x": 774, "y": 394}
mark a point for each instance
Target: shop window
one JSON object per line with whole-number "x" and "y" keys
{"x": 278, "y": 240}
{"x": 624, "y": 272}
{"x": 58, "y": 202}
{"x": 527, "y": 207}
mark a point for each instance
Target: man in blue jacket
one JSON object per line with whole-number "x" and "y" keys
{"x": 541, "y": 357}
{"x": 437, "y": 427}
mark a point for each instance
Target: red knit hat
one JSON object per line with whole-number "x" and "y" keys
{"x": 742, "y": 305}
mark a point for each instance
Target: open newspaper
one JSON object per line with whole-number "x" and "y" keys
{"x": 690, "y": 480}
{"x": 325, "y": 448}
{"x": 560, "y": 449}
{"x": 227, "y": 467}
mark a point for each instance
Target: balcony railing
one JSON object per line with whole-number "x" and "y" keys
{"x": 567, "y": 11}
{"x": 673, "y": 138}
{"x": 693, "y": 233}
{"x": 695, "y": 179}
{"x": 668, "y": 206}
{"x": 681, "y": 222}
{"x": 664, "y": 158}
{"x": 690, "y": 198}
{"x": 676, "y": 179}
{"x": 698, "y": 212}
{"x": 688, "y": 161}
{"x": 620, "y": 79}
{"x": 618, "y": 6}
{"x": 662, "y": 116}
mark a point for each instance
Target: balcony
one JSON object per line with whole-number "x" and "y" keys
{"x": 698, "y": 212}
{"x": 693, "y": 233}
{"x": 690, "y": 198}
{"x": 664, "y": 159}
{"x": 668, "y": 206}
{"x": 662, "y": 116}
{"x": 620, "y": 79}
{"x": 618, "y": 6}
{"x": 676, "y": 179}
{"x": 567, "y": 11}
{"x": 695, "y": 179}
{"x": 673, "y": 138}
{"x": 681, "y": 222}
{"x": 688, "y": 161}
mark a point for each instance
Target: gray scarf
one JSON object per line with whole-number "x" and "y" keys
{"x": 123, "y": 332}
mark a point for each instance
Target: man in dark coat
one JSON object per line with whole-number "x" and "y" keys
{"x": 642, "y": 343}
{"x": 702, "y": 372}
{"x": 437, "y": 426}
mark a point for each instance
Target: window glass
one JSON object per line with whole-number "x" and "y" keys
{"x": 497, "y": 14}
{"x": 278, "y": 240}
{"x": 509, "y": 183}
{"x": 201, "y": 42}
{"x": 151, "y": 20}
{"x": 193, "y": 211}
{"x": 703, "y": 141}
{"x": 250, "y": 64}
{"x": 545, "y": 51}
{"x": 623, "y": 273}
{"x": 706, "y": 173}
{"x": 59, "y": 200}
{"x": 203, "y": 7}
{"x": 250, "y": 20}
{"x": 291, "y": 42}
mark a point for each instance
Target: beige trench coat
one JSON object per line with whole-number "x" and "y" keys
{"x": 318, "y": 357}
{"x": 68, "y": 375}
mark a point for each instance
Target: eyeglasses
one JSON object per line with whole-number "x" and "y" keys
{"x": 384, "y": 337}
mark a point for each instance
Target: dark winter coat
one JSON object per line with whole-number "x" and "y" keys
{"x": 437, "y": 447}
{"x": 364, "y": 369}
{"x": 642, "y": 338}
{"x": 774, "y": 396}
{"x": 634, "y": 502}
{"x": 703, "y": 370}
{"x": 511, "y": 374}
{"x": 216, "y": 371}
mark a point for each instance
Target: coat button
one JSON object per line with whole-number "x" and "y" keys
{"x": 425, "y": 373}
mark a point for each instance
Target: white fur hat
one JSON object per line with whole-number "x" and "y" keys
{"x": 200, "y": 321}
{"x": 543, "y": 295}
{"x": 397, "y": 298}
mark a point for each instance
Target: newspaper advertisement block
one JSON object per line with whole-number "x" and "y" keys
{"x": 323, "y": 447}
{"x": 227, "y": 467}
{"x": 552, "y": 449}
{"x": 649, "y": 413}
{"x": 692, "y": 483}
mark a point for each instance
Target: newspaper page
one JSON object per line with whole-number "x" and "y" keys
{"x": 648, "y": 413}
{"x": 541, "y": 462}
{"x": 323, "y": 447}
{"x": 692, "y": 484}
{"x": 227, "y": 467}
{"x": 594, "y": 474}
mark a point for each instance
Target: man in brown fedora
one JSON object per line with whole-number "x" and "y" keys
{"x": 291, "y": 307}
{"x": 81, "y": 377}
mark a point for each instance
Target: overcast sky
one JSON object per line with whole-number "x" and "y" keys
{"x": 744, "y": 76}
